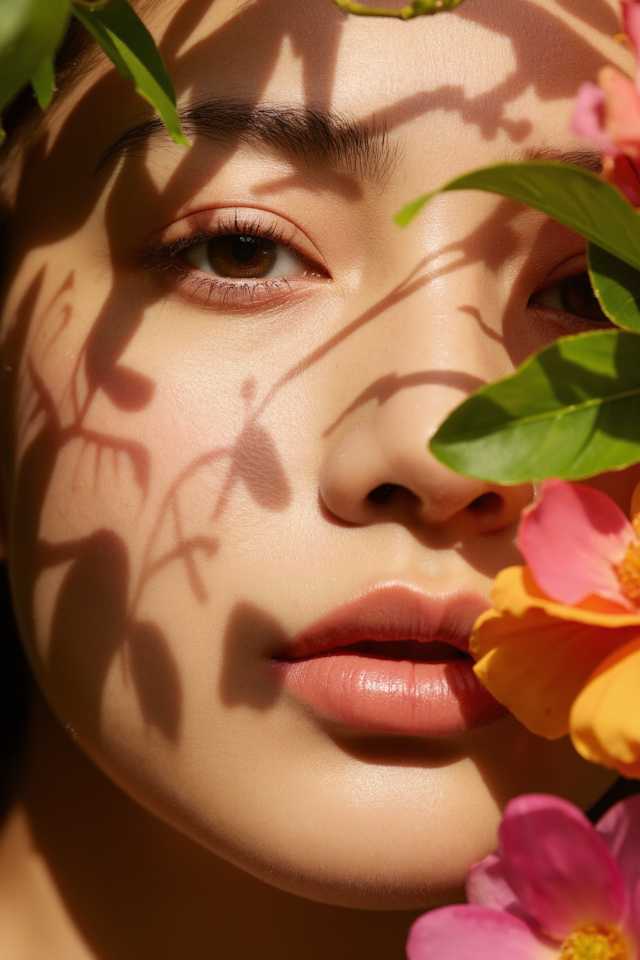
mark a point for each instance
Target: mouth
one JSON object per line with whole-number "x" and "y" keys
{"x": 414, "y": 651}
{"x": 393, "y": 660}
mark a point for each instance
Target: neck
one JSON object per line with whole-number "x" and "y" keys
{"x": 87, "y": 873}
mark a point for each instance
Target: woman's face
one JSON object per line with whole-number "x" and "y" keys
{"x": 221, "y": 369}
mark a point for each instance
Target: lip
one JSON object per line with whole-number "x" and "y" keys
{"x": 336, "y": 668}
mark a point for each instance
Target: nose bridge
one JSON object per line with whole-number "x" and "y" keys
{"x": 402, "y": 423}
{"x": 423, "y": 356}
{"x": 430, "y": 352}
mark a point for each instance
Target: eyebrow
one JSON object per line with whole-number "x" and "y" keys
{"x": 361, "y": 149}
{"x": 587, "y": 159}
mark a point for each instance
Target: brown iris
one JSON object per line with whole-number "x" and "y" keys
{"x": 241, "y": 257}
{"x": 578, "y": 297}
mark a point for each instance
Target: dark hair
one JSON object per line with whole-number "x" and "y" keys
{"x": 15, "y": 681}
{"x": 23, "y": 114}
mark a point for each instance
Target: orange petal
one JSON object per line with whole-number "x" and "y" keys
{"x": 537, "y": 664}
{"x": 605, "y": 719}
{"x": 516, "y": 592}
{"x": 635, "y": 501}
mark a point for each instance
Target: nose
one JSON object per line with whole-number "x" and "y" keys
{"x": 384, "y": 471}
{"x": 378, "y": 466}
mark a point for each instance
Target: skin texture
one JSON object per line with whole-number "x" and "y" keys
{"x": 187, "y": 475}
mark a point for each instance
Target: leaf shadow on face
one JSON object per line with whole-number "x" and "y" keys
{"x": 536, "y": 65}
{"x": 251, "y": 637}
{"x": 92, "y": 620}
{"x": 92, "y": 626}
{"x": 314, "y": 29}
{"x": 256, "y": 462}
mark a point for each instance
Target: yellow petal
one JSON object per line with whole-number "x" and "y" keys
{"x": 605, "y": 719}
{"x": 515, "y": 591}
{"x": 537, "y": 664}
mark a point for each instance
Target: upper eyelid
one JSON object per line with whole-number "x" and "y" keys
{"x": 163, "y": 255}
{"x": 206, "y": 224}
{"x": 574, "y": 265}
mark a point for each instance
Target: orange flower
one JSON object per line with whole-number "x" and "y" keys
{"x": 561, "y": 649}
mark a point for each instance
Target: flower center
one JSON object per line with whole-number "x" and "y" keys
{"x": 628, "y": 570}
{"x": 594, "y": 941}
{"x": 629, "y": 573}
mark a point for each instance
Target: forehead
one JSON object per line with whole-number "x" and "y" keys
{"x": 489, "y": 82}
{"x": 488, "y": 50}
{"x": 505, "y": 72}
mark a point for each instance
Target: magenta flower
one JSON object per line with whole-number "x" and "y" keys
{"x": 609, "y": 114}
{"x": 558, "y": 888}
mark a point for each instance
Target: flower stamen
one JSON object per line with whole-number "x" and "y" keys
{"x": 595, "y": 941}
{"x": 628, "y": 570}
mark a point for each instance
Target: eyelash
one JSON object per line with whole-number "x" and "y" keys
{"x": 166, "y": 257}
{"x": 575, "y": 320}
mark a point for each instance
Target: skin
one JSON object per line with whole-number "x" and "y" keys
{"x": 187, "y": 476}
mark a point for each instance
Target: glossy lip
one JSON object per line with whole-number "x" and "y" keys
{"x": 440, "y": 697}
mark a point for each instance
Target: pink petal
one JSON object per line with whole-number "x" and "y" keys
{"x": 570, "y": 538}
{"x": 621, "y": 110}
{"x": 631, "y": 21}
{"x": 487, "y": 887}
{"x": 632, "y": 922}
{"x": 559, "y": 868}
{"x": 464, "y": 932}
{"x": 620, "y": 830}
{"x": 588, "y": 117}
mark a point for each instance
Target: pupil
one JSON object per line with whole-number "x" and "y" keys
{"x": 241, "y": 257}
{"x": 244, "y": 248}
{"x": 579, "y": 298}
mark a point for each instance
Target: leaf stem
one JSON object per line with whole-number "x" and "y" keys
{"x": 93, "y": 4}
{"x": 418, "y": 8}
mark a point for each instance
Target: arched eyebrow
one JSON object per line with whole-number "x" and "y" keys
{"x": 587, "y": 159}
{"x": 361, "y": 149}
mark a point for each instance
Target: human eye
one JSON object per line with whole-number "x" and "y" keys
{"x": 238, "y": 256}
{"x": 571, "y": 300}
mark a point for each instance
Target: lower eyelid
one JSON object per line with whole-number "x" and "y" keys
{"x": 207, "y": 291}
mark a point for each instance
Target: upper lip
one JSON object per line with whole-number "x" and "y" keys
{"x": 391, "y": 611}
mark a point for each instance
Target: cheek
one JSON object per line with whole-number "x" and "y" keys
{"x": 141, "y": 472}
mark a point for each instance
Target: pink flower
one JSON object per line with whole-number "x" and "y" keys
{"x": 609, "y": 114}
{"x": 578, "y": 543}
{"x": 558, "y": 888}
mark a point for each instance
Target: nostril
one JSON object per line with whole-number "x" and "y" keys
{"x": 383, "y": 493}
{"x": 486, "y": 504}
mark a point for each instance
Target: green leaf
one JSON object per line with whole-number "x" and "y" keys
{"x": 573, "y": 196}
{"x": 43, "y": 82}
{"x": 117, "y": 28}
{"x": 617, "y": 286}
{"x": 570, "y": 411}
{"x": 30, "y": 31}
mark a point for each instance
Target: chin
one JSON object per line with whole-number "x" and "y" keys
{"x": 368, "y": 891}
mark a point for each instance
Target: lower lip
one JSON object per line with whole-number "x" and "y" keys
{"x": 435, "y": 699}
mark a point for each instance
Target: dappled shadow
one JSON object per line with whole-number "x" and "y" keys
{"x": 98, "y": 583}
{"x": 99, "y": 619}
{"x": 251, "y": 634}
{"x": 384, "y": 388}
